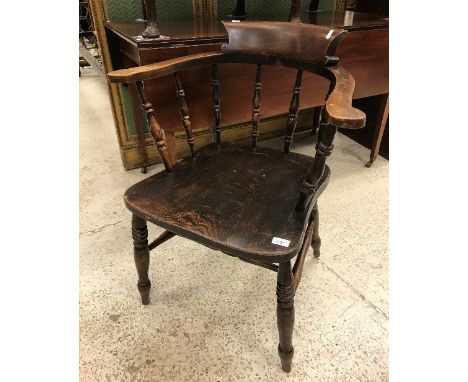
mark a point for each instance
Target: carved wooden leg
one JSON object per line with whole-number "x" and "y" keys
{"x": 141, "y": 255}
{"x": 316, "y": 241}
{"x": 382, "y": 117}
{"x": 285, "y": 314}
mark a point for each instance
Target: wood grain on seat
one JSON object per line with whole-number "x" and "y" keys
{"x": 232, "y": 199}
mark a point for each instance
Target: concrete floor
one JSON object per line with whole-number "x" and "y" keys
{"x": 213, "y": 317}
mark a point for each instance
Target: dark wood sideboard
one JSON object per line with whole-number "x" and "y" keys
{"x": 364, "y": 53}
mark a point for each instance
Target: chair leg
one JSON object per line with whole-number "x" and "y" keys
{"x": 141, "y": 255}
{"x": 316, "y": 241}
{"x": 285, "y": 314}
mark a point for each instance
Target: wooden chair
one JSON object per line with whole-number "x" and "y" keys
{"x": 258, "y": 204}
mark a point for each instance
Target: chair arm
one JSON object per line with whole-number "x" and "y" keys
{"x": 163, "y": 68}
{"x": 338, "y": 107}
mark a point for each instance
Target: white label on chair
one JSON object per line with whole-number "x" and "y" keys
{"x": 279, "y": 241}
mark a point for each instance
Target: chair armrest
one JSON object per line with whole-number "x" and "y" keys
{"x": 163, "y": 68}
{"x": 338, "y": 107}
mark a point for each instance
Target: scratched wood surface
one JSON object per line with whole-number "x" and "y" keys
{"x": 231, "y": 197}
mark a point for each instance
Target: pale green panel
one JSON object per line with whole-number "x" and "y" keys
{"x": 327, "y": 5}
{"x": 129, "y": 10}
{"x": 124, "y": 10}
{"x": 174, "y": 9}
{"x": 268, "y": 8}
{"x": 128, "y": 112}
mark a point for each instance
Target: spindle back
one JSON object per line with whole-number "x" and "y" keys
{"x": 303, "y": 47}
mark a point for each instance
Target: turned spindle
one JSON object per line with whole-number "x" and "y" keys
{"x": 184, "y": 114}
{"x": 141, "y": 256}
{"x": 256, "y": 105}
{"x": 323, "y": 149}
{"x": 155, "y": 129}
{"x": 216, "y": 103}
{"x": 293, "y": 112}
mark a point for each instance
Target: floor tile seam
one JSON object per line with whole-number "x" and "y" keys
{"x": 99, "y": 229}
{"x": 357, "y": 292}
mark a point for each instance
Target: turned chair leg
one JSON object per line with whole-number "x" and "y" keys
{"x": 285, "y": 314}
{"x": 141, "y": 255}
{"x": 316, "y": 241}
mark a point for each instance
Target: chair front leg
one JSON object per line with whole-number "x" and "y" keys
{"x": 285, "y": 314}
{"x": 316, "y": 241}
{"x": 141, "y": 255}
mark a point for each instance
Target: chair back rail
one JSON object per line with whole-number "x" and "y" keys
{"x": 302, "y": 42}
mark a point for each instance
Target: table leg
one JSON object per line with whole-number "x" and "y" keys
{"x": 382, "y": 118}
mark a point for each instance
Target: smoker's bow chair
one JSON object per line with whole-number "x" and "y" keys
{"x": 255, "y": 203}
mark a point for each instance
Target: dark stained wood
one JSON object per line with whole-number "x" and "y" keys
{"x": 316, "y": 120}
{"x": 316, "y": 241}
{"x": 285, "y": 314}
{"x": 165, "y": 236}
{"x": 297, "y": 41}
{"x": 232, "y": 199}
{"x": 293, "y": 112}
{"x": 258, "y": 204}
{"x": 184, "y": 113}
{"x": 141, "y": 256}
{"x": 299, "y": 264}
{"x": 364, "y": 53}
{"x": 156, "y": 131}
{"x": 256, "y": 105}
{"x": 379, "y": 130}
{"x": 216, "y": 103}
{"x": 271, "y": 267}
{"x": 338, "y": 105}
{"x": 317, "y": 169}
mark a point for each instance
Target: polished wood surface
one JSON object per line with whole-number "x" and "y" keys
{"x": 232, "y": 199}
{"x": 309, "y": 43}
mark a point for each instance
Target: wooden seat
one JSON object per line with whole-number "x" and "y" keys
{"x": 255, "y": 203}
{"x": 211, "y": 199}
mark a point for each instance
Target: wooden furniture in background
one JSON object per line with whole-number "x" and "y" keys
{"x": 152, "y": 28}
{"x": 379, "y": 7}
{"x": 254, "y": 203}
{"x": 364, "y": 53}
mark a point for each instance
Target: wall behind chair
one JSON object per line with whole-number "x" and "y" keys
{"x": 129, "y": 10}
